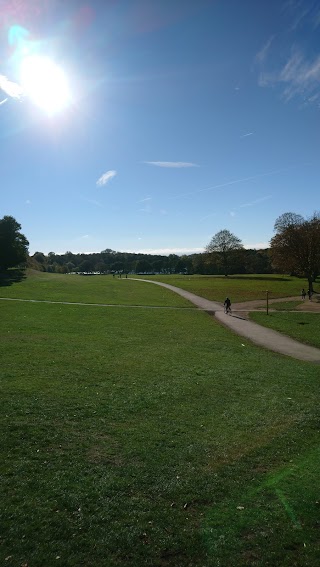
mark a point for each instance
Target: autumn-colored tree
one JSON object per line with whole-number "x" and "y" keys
{"x": 295, "y": 248}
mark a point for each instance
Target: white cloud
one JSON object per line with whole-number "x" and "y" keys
{"x": 262, "y": 54}
{"x": 166, "y": 251}
{"x": 105, "y": 177}
{"x": 10, "y": 88}
{"x": 257, "y": 246}
{"x": 174, "y": 164}
{"x": 299, "y": 77}
{"x": 144, "y": 200}
{"x": 246, "y": 135}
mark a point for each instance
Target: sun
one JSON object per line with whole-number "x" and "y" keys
{"x": 45, "y": 83}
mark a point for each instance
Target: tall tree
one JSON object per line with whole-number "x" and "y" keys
{"x": 226, "y": 245}
{"x": 13, "y": 244}
{"x": 296, "y": 246}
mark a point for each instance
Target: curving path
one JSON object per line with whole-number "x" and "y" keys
{"x": 259, "y": 335}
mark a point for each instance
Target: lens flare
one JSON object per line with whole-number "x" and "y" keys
{"x": 45, "y": 83}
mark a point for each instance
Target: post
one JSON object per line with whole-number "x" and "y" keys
{"x": 267, "y": 301}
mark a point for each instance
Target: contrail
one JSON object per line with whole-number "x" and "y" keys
{"x": 3, "y": 101}
{"x": 234, "y": 182}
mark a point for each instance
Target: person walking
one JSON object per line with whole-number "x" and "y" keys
{"x": 227, "y": 305}
{"x": 310, "y": 294}
{"x": 303, "y": 294}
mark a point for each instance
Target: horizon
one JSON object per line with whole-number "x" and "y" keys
{"x": 146, "y": 126}
{"x": 157, "y": 252}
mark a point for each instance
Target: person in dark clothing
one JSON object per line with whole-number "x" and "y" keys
{"x": 227, "y": 305}
{"x": 303, "y": 294}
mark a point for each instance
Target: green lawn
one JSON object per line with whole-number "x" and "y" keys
{"x": 304, "y": 327}
{"x": 150, "y": 437}
{"x": 238, "y": 288}
{"x": 285, "y": 305}
{"x": 90, "y": 289}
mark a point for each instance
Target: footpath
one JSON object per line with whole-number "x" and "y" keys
{"x": 239, "y": 324}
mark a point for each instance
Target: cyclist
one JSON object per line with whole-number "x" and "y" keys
{"x": 227, "y": 305}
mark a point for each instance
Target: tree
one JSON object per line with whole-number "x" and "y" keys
{"x": 13, "y": 244}
{"x": 296, "y": 246}
{"x": 226, "y": 245}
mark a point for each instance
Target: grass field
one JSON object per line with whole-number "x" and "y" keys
{"x": 304, "y": 327}
{"x": 149, "y": 437}
{"x": 238, "y": 288}
{"x": 89, "y": 289}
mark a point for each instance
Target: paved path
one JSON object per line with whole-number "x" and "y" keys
{"x": 259, "y": 335}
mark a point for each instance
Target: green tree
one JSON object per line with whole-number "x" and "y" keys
{"x": 13, "y": 244}
{"x": 296, "y": 246}
{"x": 226, "y": 245}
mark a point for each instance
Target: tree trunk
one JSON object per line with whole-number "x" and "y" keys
{"x": 310, "y": 282}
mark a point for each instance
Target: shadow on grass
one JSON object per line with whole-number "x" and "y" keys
{"x": 268, "y": 278}
{"x": 12, "y": 276}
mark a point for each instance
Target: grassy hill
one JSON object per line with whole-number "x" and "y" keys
{"x": 133, "y": 435}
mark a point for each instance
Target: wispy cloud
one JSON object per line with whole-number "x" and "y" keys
{"x": 299, "y": 76}
{"x": 92, "y": 202}
{"x": 234, "y": 182}
{"x": 144, "y": 200}
{"x": 261, "y": 56}
{"x": 10, "y": 88}
{"x": 256, "y": 201}
{"x": 174, "y": 164}
{"x": 146, "y": 209}
{"x": 3, "y": 101}
{"x": 246, "y": 135}
{"x": 105, "y": 178}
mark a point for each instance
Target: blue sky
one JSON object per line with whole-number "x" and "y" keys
{"x": 184, "y": 118}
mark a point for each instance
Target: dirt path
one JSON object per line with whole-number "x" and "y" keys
{"x": 259, "y": 335}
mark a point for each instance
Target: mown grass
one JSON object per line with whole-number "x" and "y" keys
{"x": 238, "y": 288}
{"x": 285, "y": 305}
{"x": 89, "y": 289}
{"x": 152, "y": 437}
{"x": 304, "y": 327}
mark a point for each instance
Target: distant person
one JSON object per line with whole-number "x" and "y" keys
{"x": 227, "y": 305}
{"x": 310, "y": 294}
{"x": 303, "y": 294}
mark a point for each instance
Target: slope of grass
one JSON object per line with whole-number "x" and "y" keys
{"x": 152, "y": 437}
{"x": 304, "y": 327}
{"x": 90, "y": 289}
{"x": 238, "y": 288}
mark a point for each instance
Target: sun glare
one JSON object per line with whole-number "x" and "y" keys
{"x": 45, "y": 84}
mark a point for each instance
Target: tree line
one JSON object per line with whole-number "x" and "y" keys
{"x": 295, "y": 249}
{"x": 110, "y": 261}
